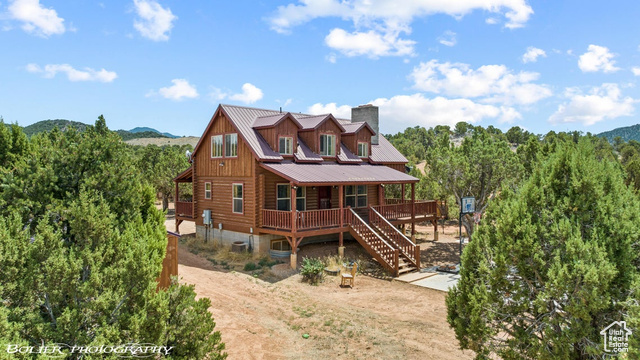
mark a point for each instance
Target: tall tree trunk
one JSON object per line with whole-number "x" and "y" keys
{"x": 165, "y": 202}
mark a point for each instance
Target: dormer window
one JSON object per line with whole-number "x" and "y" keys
{"x": 285, "y": 145}
{"x": 363, "y": 149}
{"x": 327, "y": 145}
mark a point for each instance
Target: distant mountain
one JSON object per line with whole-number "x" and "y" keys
{"x": 48, "y": 125}
{"x": 148, "y": 129}
{"x": 129, "y": 135}
{"x": 626, "y": 133}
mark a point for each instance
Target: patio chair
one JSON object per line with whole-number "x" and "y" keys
{"x": 350, "y": 278}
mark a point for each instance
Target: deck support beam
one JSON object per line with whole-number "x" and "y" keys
{"x": 175, "y": 209}
{"x": 413, "y": 212}
{"x": 341, "y": 206}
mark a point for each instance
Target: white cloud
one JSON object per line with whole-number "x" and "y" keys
{"x": 491, "y": 83}
{"x": 380, "y": 23}
{"x": 250, "y": 94}
{"x": 332, "y": 58}
{"x": 635, "y": 70}
{"x": 86, "y": 74}
{"x": 342, "y": 112}
{"x": 602, "y": 102}
{"x": 597, "y": 58}
{"x": 36, "y": 18}
{"x": 180, "y": 89}
{"x": 532, "y": 54}
{"x": 155, "y": 21}
{"x": 371, "y": 43}
{"x": 418, "y": 110}
{"x": 448, "y": 38}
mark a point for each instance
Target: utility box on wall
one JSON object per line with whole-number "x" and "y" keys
{"x": 206, "y": 217}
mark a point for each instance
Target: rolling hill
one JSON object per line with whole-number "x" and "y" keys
{"x": 626, "y": 133}
{"x": 62, "y": 124}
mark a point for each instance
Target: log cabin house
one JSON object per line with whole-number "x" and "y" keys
{"x": 272, "y": 180}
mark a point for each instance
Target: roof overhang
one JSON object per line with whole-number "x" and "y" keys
{"x": 185, "y": 176}
{"x": 338, "y": 174}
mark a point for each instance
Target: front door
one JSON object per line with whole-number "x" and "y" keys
{"x": 324, "y": 197}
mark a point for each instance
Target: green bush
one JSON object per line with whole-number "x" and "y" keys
{"x": 312, "y": 270}
{"x": 250, "y": 266}
{"x": 265, "y": 262}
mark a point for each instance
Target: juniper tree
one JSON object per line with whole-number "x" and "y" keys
{"x": 81, "y": 246}
{"x": 552, "y": 264}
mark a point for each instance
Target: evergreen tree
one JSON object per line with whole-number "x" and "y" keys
{"x": 552, "y": 264}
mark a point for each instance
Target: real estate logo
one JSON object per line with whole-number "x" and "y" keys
{"x": 616, "y": 337}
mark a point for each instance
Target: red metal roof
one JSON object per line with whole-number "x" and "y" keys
{"x": 334, "y": 173}
{"x": 384, "y": 152}
{"x": 346, "y": 156}
{"x": 273, "y": 120}
{"x": 304, "y": 153}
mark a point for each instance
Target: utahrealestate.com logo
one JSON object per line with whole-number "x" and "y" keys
{"x": 616, "y": 337}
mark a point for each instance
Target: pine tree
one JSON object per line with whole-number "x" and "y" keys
{"x": 552, "y": 264}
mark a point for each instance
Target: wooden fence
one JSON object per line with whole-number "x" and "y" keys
{"x": 170, "y": 262}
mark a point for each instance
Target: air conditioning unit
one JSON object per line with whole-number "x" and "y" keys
{"x": 206, "y": 217}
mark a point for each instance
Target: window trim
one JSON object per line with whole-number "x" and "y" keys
{"x": 225, "y": 145}
{"x": 357, "y": 195}
{"x": 291, "y": 144}
{"x": 366, "y": 148}
{"x": 335, "y": 141}
{"x": 205, "y": 190}
{"x": 221, "y": 150}
{"x": 233, "y": 185}
{"x": 279, "y": 198}
{"x": 304, "y": 196}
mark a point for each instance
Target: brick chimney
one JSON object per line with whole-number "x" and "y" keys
{"x": 367, "y": 113}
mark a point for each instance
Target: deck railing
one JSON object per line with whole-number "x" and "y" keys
{"x": 403, "y": 210}
{"x": 381, "y": 250}
{"x": 276, "y": 219}
{"x": 407, "y": 247}
{"x": 184, "y": 208}
{"x": 318, "y": 219}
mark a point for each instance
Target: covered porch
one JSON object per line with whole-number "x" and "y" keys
{"x": 184, "y": 209}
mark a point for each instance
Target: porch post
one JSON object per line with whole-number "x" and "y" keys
{"x": 413, "y": 212}
{"x": 380, "y": 195}
{"x": 341, "y": 206}
{"x": 294, "y": 218}
{"x": 175, "y": 209}
{"x": 402, "y": 193}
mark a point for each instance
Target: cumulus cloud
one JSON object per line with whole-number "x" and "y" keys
{"x": 635, "y": 70}
{"x": 342, "y": 111}
{"x": 417, "y": 109}
{"x": 86, "y": 74}
{"x": 250, "y": 94}
{"x": 36, "y": 19}
{"x": 597, "y": 58}
{"x": 382, "y": 22}
{"x": 600, "y": 103}
{"x": 370, "y": 43}
{"x": 491, "y": 83}
{"x": 532, "y": 54}
{"x": 155, "y": 22}
{"x": 181, "y": 89}
{"x": 448, "y": 38}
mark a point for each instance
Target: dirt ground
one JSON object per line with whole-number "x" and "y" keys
{"x": 377, "y": 319}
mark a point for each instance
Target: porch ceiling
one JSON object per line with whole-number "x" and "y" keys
{"x": 334, "y": 173}
{"x": 185, "y": 176}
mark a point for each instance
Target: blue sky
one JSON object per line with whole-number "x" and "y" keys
{"x": 541, "y": 65}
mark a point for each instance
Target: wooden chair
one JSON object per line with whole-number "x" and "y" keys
{"x": 350, "y": 278}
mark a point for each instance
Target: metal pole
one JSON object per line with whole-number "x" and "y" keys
{"x": 460, "y": 232}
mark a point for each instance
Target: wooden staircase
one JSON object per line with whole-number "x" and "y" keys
{"x": 392, "y": 249}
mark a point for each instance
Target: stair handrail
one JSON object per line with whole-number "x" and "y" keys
{"x": 415, "y": 257}
{"x": 370, "y": 229}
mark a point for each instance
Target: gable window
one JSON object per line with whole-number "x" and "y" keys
{"x": 283, "y": 195}
{"x": 207, "y": 190}
{"x": 231, "y": 145}
{"x": 355, "y": 196}
{"x": 363, "y": 149}
{"x": 327, "y": 145}
{"x": 285, "y": 145}
{"x": 216, "y": 146}
{"x": 237, "y": 198}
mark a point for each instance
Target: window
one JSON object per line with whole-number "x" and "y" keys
{"x": 207, "y": 190}
{"x": 363, "y": 149}
{"x": 231, "y": 145}
{"x": 237, "y": 198}
{"x": 216, "y": 146}
{"x": 355, "y": 196}
{"x": 283, "y": 195}
{"x": 327, "y": 145}
{"x": 280, "y": 245}
{"x": 285, "y": 145}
